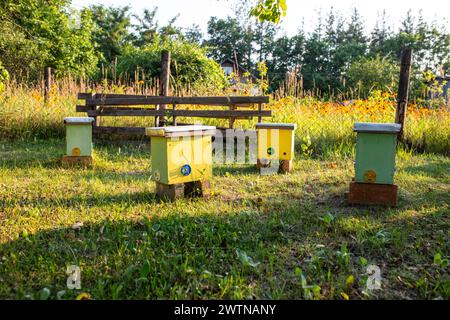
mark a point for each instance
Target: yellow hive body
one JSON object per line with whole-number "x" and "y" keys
{"x": 181, "y": 154}
{"x": 275, "y": 141}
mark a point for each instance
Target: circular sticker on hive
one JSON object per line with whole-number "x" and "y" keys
{"x": 76, "y": 152}
{"x": 186, "y": 170}
{"x": 156, "y": 175}
{"x": 270, "y": 151}
{"x": 370, "y": 176}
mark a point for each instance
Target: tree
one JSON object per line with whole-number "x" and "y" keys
{"x": 57, "y": 38}
{"x": 380, "y": 34}
{"x": 147, "y": 27}
{"x": 193, "y": 34}
{"x": 228, "y": 39}
{"x": 111, "y": 33}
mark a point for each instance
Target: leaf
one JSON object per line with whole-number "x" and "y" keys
{"x": 437, "y": 259}
{"x": 362, "y": 261}
{"x": 345, "y": 296}
{"x": 349, "y": 281}
{"x": 145, "y": 270}
{"x": 83, "y": 296}
{"x": 316, "y": 291}
{"x": 328, "y": 218}
{"x": 246, "y": 259}
{"x": 24, "y": 233}
{"x": 44, "y": 294}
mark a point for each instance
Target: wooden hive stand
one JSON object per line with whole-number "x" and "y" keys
{"x": 372, "y": 194}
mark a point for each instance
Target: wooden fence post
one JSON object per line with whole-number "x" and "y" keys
{"x": 47, "y": 83}
{"x": 403, "y": 89}
{"x": 163, "y": 85}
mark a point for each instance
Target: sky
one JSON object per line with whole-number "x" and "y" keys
{"x": 199, "y": 11}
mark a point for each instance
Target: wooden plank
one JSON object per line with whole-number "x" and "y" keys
{"x": 85, "y": 95}
{"x": 180, "y": 113}
{"x": 139, "y": 131}
{"x": 80, "y": 108}
{"x": 90, "y": 95}
{"x": 119, "y": 130}
{"x": 223, "y": 101}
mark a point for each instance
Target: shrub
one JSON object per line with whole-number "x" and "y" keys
{"x": 189, "y": 65}
{"x": 374, "y": 73}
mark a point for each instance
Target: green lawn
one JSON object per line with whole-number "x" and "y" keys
{"x": 288, "y": 236}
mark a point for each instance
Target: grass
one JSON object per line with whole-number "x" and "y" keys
{"x": 286, "y": 236}
{"x": 325, "y": 128}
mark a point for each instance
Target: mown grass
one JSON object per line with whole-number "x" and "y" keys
{"x": 286, "y": 236}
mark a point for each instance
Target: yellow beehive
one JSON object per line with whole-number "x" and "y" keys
{"x": 181, "y": 154}
{"x": 275, "y": 141}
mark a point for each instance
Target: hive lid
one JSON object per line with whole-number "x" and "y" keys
{"x": 180, "y": 131}
{"x": 270, "y": 125}
{"x": 79, "y": 120}
{"x": 377, "y": 127}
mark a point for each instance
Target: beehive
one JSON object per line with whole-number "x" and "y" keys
{"x": 275, "y": 143}
{"x": 181, "y": 154}
{"x": 78, "y": 136}
{"x": 375, "y": 152}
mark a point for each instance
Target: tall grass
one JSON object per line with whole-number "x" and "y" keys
{"x": 323, "y": 127}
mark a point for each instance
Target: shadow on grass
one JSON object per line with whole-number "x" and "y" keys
{"x": 248, "y": 255}
{"x": 434, "y": 169}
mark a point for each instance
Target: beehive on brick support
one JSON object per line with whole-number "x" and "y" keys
{"x": 181, "y": 160}
{"x": 275, "y": 146}
{"x": 78, "y": 141}
{"x": 375, "y": 164}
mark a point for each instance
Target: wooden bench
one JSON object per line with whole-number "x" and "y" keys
{"x": 99, "y": 105}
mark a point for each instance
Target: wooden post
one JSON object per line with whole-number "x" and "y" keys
{"x": 232, "y": 119}
{"x": 163, "y": 85}
{"x": 403, "y": 89}
{"x": 174, "y": 116}
{"x": 260, "y": 108}
{"x": 47, "y": 83}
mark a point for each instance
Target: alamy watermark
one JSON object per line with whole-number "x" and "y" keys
{"x": 373, "y": 277}
{"x": 74, "y": 278}
{"x": 230, "y": 146}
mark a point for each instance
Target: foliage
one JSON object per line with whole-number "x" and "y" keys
{"x": 189, "y": 65}
{"x": 269, "y": 10}
{"x": 60, "y": 37}
{"x": 322, "y": 58}
{"x": 373, "y": 73}
{"x": 111, "y": 32}
{"x": 324, "y": 128}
